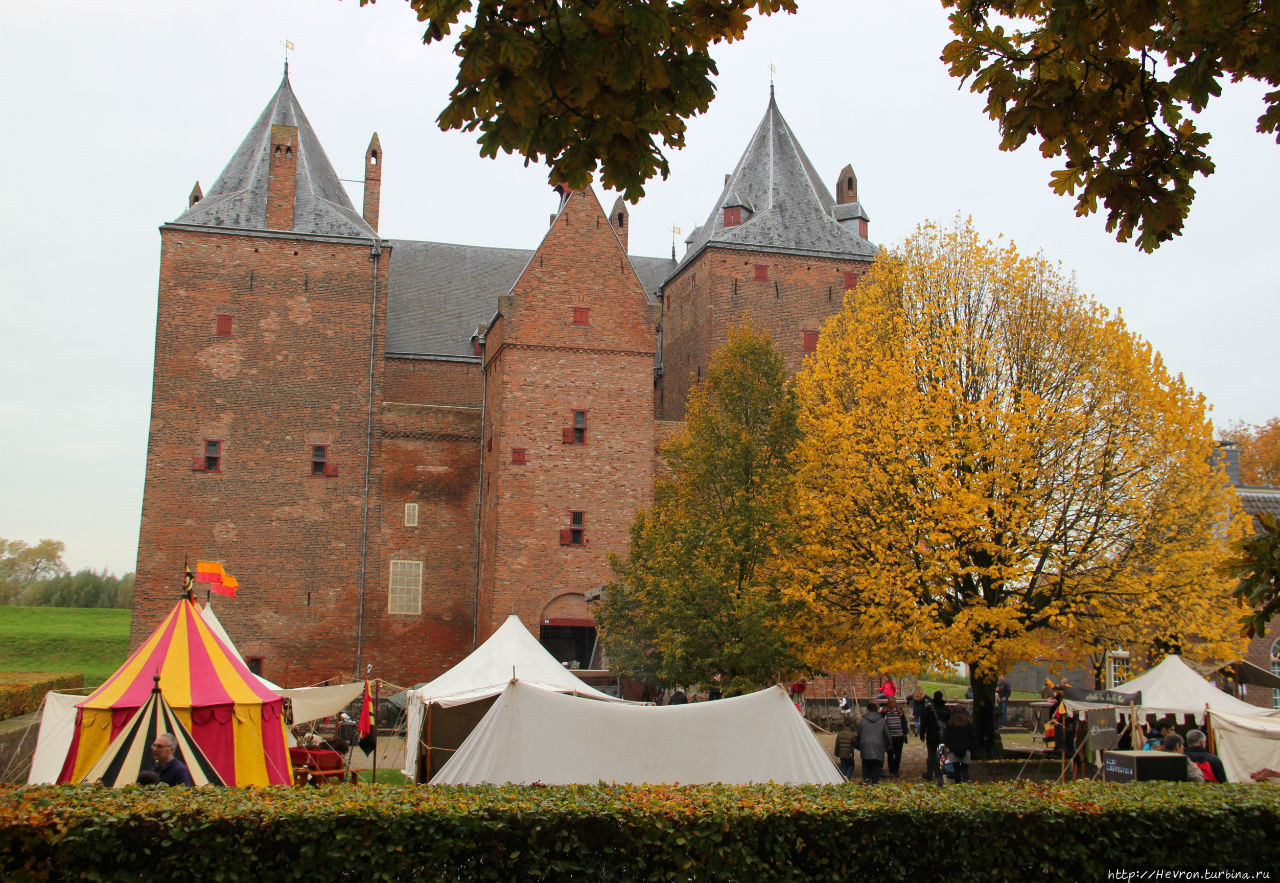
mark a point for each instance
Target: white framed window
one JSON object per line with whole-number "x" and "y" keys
{"x": 410, "y": 514}
{"x": 404, "y": 590}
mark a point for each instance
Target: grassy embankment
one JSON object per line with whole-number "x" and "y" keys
{"x": 95, "y": 642}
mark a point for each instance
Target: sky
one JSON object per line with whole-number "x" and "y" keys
{"x": 112, "y": 111}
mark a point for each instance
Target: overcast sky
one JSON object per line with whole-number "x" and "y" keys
{"x": 113, "y": 110}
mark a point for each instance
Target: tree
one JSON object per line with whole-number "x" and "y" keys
{"x": 588, "y": 83}
{"x": 994, "y": 469}
{"x": 21, "y": 565}
{"x": 85, "y": 588}
{"x": 1256, "y": 565}
{"x": 1259, "y": 450}
{"x": 1108, "y": 84}
{"x": 698, "y": 595}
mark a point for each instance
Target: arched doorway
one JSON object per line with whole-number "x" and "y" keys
{"x": 568, "y": 632}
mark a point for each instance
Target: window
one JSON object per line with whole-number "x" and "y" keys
{"x": 404, "y": 591}
{"x": 733, "y": 216}
{"x": 222, "y": 326}
{"x": 577, "y": 433}
{"x": 622, "y": 219}
{"x": 576, "y": 535}
{"x": 475, "y": 346}
{"x": 410, "y": 514}
{"x": 810, "y": 341}
{"x": 211, "y": 460}
{"x": 581, "y": 315}
{"x": 762, "y": 272}
{"x": 850, "y": 281}
{"x": 255, "y": 664}
{"x": 320, "y": 465}
{"x": 517, "y": 456}
{"x": 693, "y": 282}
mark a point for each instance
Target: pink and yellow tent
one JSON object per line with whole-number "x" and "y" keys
{"x": 237, "y": 722}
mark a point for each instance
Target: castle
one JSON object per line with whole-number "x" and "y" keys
{"x": 393, "y": 445}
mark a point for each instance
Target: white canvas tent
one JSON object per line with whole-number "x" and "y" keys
{"x": 1174, "y": 688}
{"x": 532, "y": 735}
{"x": 1246, "y": 743}
{"x": 443, "y": 712}
{"x": 57, "y": 726}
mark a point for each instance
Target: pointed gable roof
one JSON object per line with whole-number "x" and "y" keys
{"x": 238, "y": 199}
{"x": 789, "y": 209}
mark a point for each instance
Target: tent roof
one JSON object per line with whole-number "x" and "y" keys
{"x": 532, "y": 735}
{"x": 196, "y": 669}
{"x": 130, "y": 751}
{"x": 211, "y": 619}
{"x": 1173, "y": 687}
{"x": 510, "y": 652}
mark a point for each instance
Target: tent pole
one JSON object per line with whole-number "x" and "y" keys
{"x": 1208, "y": 730}
{"x": 429, "y": 771}
{"x": 377, "y": 690}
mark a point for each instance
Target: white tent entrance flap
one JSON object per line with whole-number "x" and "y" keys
{"x": 442, "y": 713}
{"x": 532, "y": 735}
{"x": 1246, "y": 743}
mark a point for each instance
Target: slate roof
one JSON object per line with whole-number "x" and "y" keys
{"x": 1257, "y": 500}
{"x": 790, "y": 209}
{"x": 238, "y": 199}
{"x": 439, "y": 294}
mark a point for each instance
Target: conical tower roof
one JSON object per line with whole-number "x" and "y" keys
{"x": 785, "y": 205}
{"x": 238, "y": 199}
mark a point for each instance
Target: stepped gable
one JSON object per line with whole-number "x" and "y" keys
{"x": 784, "y": 206}
{"x": 238, "y": 199}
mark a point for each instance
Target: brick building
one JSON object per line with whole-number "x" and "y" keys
{"x": 394, "y": 444}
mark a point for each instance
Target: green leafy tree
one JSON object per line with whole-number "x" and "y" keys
{"x": 1259, "y": 450}
{"x": 85, "y": 588}
{"x": 1105, "y": 84}
{"x": 1257, "y": 566}
{"x": 23, "y": 565}
{"x": 698, "y": 595}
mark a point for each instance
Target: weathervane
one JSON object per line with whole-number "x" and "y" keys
{"x": 288, "y": 47}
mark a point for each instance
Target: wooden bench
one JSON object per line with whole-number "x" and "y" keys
{"x": 315, "y": 766}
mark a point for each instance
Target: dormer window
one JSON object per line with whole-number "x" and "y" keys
{"x": 733, "y": 216}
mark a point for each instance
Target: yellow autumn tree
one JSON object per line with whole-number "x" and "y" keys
{"x": 995, "y": 469}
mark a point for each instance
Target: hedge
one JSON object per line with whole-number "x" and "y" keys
{"x": 21, "y": 692}
{"x": 960, "y": 833}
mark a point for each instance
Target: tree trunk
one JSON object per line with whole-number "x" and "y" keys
{"x": 985, "y": 714}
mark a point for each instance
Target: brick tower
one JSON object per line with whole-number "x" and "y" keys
{"x": 262, "y": 451}
{"x": 776, "y": 247}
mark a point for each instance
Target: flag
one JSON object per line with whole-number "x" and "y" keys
{"x": 219, "y": 580}
{"x": 367, "y": 726}
{"x": 288, "y": 44}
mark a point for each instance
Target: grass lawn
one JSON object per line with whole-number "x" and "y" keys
{"x": 95, "y": 642}
{"x": 385, "y": 776}
{"x": 956, "y": 691}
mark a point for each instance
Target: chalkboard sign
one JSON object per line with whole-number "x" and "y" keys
{"x": 1102, "y": 729}
{"x": 1143, "y": 766}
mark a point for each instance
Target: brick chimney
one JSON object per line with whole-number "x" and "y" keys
{"x": 372, "y": 181}
{"x": 282, "y": 175}
{"x": 620, "y": 220}
{"x": 846, "y": 186}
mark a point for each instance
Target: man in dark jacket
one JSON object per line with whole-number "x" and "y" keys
{"x": 873, "y": 742}
{"x": 1198, "y": 753}
{"x": 935, "y": 718}
{"x": 846, "y": 748}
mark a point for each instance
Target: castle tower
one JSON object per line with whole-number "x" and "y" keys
{"x": 569, "y": 430}
{"x": 776, "y": 247}
{"x": 261, "y": 455}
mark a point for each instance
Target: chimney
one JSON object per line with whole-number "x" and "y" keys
{"x": 1228, "y": 455}
{"x": 846, "y": 187}
{"x": 372, "y": 181}
{"x": 619, "y": 220}
{"x": 282, "y": 173}
{"x": 196, "y": 195}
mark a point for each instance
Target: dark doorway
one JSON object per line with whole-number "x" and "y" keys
{"x": 569, "y": 640}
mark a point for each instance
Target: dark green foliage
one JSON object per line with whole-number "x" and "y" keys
{"x": 85, "y": 588}
{"x": 997, "y": 832}
{"x": 21, "y": 692}
{"x": 1257, "y": 566}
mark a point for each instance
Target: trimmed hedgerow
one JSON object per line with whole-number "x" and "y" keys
{"x": 21, "y": 692}
{"x": 627, "y": 833}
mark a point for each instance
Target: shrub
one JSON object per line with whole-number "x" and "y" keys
{"x": 21, "y": 692}
{"x": 604, "y": 832}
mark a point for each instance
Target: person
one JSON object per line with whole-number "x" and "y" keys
{"x": 797, "y": 692}
{"x": 678, "y": 697}
{"x": 888, "y": 690}
{"x": 985, "y": 718}
{"x": 1157, "y": 734}
{"x": 873, "y": 742}
{"x": 958, "y": 736}
{"x": 918, "y": 702}
{"x": 170, "y": 770}
{"x": 896, "y": 723}
{"x": 935, "y": 717}
{"x": 148, "y": 777}
{"x": 846, "y": 706}
{"x": 1173, "y": 744}
{"x": 846, "y": 745}
{"x": 1198, "y": 753}
{"x": 1003, "y": 692}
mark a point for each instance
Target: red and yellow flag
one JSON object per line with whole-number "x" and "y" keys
{"x": 219, "y": 580}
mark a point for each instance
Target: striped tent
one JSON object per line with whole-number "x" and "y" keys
{"x": 237, "y": 722}
{"x": 130, "y": 751}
